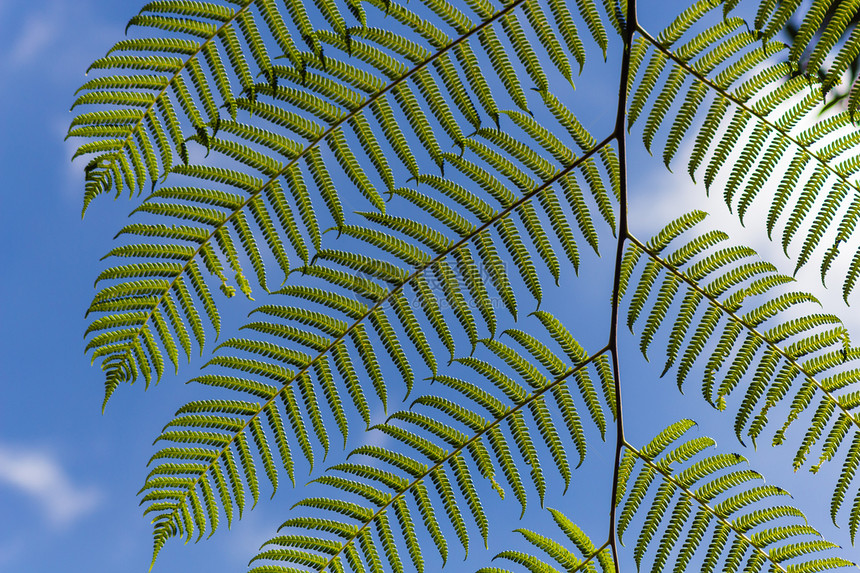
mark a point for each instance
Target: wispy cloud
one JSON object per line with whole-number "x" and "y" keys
{"x": 662, "y": 196}
{"x": 40, "y": 476}
{"x": 57, "y": 39}
{"x": 12, "y": 550}
{"x": 36, "y": 36}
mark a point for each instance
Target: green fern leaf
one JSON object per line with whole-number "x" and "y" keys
{"x": 383, "y": 486}
{"x": 788, "y": 344}
{"x": 708, "y": 484}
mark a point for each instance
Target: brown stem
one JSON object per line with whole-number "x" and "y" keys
{"x": 621, "y": 137}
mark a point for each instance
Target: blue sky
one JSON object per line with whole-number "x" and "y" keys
{"x": 69, "y": 475}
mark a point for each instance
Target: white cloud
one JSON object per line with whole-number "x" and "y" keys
{"x": 72, "y": 183}
{"x": 661, "y": 196}
{"x": 40, "y": 476}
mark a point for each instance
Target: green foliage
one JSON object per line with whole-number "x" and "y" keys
{"x": 496, "y": 413}
{"x": 742, "y": 508}
{"x": 214, "y": 229}
{"x": 379, "y": 174}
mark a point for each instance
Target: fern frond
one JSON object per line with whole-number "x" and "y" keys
{"x": 141, "y": 142}
{"x": 444, "y": 438}
{"x": 748, "y": 332}
{"x": 364, "y": 288}
{"x": 302, "y": 145}
{"x": 748, "y": 93}
{"x": 448, "y": 110}
{"x": 688, "y": 492}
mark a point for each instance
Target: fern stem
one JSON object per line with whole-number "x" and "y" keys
{"x": 692, "y": 495}
{"x": 591, "y": 557}
{"x": 456, "y": 451}
{"x": 752, "y": 330}
{"x": 620, "y": 134}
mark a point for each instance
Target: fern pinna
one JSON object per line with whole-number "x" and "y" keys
{"x": 388, "y": 172}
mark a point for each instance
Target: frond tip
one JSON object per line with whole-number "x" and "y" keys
{"x": 575, "y": 552}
